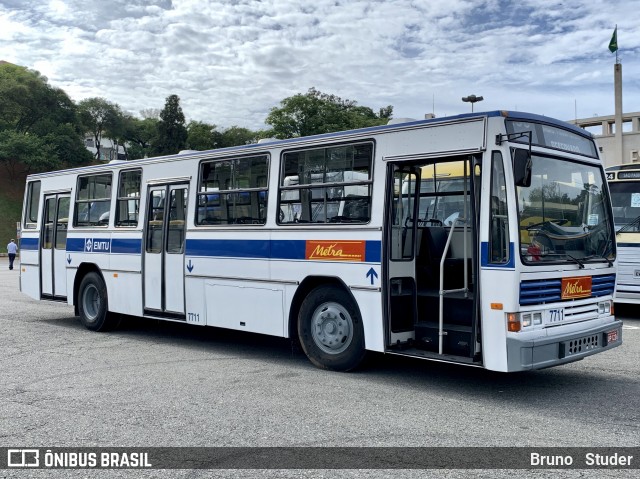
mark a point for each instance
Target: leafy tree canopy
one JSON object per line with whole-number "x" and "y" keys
{"x": 39, "y": 126}
{"x": 172, "y": 132}
{"x": 316, "y": 112}
{"x": 202, "y": 136}
{"x": 101, "y": 118}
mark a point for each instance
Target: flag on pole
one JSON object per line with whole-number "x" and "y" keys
{"x": 613, "y": 44}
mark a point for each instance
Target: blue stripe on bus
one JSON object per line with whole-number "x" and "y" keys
{"x": 126, "y": 245}
{"x": 224, "y": 248}
{"x": 228, "y": 248}
{"x": 484, "y": 257}
{"x": 29, "y": 243}
{"x": 266, "y": 249}
{"x": 628, "y": 245}
{"x": 116, "y": 245}
{"x": 288, "y": 249}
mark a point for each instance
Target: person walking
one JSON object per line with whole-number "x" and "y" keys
{"x": 12, "y": 248}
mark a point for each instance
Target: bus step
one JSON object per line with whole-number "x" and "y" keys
{"x": 456, "y": 341}
{"x": 457, "y": 310}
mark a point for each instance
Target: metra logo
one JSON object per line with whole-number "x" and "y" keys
{"x": 92, "y": 245}
{"x": 335, "y": 250}
{"x": 576, "y": 287}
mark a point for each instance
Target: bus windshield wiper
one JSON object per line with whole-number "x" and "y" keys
{"x": 576, "y": 260}
{"x": 629, "y": 226}
{"x": 601, "y": 256}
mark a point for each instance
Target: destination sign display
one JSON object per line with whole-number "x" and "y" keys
{"x": 552, "y": 137}
{"x": 628, "y": 175}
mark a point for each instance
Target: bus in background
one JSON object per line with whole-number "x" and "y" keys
{"x": 624, "y": 186}
{"x": 483, "y": 239}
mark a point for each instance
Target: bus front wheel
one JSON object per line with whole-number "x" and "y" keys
{"x": 93, "y": 305}
{"x": 330, "y": 329}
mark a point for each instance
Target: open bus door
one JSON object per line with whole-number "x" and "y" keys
{"x": 431, "y": 238}
{"x": 401, "y": 252}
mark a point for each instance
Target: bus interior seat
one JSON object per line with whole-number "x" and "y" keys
{"x": 432, "y": 243}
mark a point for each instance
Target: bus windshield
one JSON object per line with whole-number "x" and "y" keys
{"x": 563, "y": 215}
{"x": 625, "y": 198}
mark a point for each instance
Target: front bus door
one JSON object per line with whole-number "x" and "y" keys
{"x": 401, "y": 251}
{"x": 165, "y": 229}
{"x": 53, "y": 245}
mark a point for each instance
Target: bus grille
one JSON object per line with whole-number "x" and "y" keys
{"x": 581, "y": 345}
{"x": 540, "y": 291}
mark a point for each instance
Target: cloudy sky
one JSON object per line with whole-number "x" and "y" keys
{"x": 231, "y": 61}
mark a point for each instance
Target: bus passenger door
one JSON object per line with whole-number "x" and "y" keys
{"x": 401, "y": 251}
{"x": 165, "y": 230}
{"x": 53, "y": 246}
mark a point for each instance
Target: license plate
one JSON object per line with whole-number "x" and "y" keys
{"x": 612, "y": 336}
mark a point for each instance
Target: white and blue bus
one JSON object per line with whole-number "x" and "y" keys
{"x": 624, "y": 187}
{"x": 482, "y": 239}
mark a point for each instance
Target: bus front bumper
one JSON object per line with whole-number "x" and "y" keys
{"x": 523, "y": 355}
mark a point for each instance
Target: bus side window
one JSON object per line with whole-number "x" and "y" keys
{"x": 498, "y": 215}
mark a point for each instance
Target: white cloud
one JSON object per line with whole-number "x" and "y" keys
{"x": 231, "y": 61}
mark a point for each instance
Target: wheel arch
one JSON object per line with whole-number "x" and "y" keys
{"x": 307, "y": 285}
{"x": 83, "y": 270}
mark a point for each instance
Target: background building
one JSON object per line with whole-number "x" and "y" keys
{"x": 108, "y": 150}
{"x": 604, "y": 130}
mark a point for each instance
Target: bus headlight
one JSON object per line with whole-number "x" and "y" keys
{"x": 519, "y": 321}
{"x": 537, "y": 318}
{"x": 604, "y": 307}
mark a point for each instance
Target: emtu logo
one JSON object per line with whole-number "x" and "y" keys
{"x": 88, "y": 245}
{"x": 23, "y": 458}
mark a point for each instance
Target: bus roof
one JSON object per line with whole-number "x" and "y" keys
{"x": 626, "y": 166}
{"x": 514, "y": 115}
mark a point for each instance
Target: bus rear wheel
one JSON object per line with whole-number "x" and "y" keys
{"x": 330, "y": 329}
{"x": 93, "y": 304}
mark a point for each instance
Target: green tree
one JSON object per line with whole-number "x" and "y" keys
{"x": 22, "y": 154}
{"x": 316, "y": 112}
{"x": 101, "y": 118}
{"x": 203, "y": 136}
{"x": 172, "y": 132}
{"x": 39, "y": 125}
{"x": 237, "y": 136}
{"x": 139, "y": 135}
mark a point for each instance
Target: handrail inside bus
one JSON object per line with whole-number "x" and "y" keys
{"x": 442, "y": 291}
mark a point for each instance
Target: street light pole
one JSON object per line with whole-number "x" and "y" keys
{"x": 472, "y": 99}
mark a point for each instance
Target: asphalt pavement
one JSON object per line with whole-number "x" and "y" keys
{"x": 161, "y": 384}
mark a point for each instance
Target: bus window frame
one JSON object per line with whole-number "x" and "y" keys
{"x": 233, "y": 192}
{"x": 117, "y": 221}
{"x": 77, "y": 201}
{"x": 28, "y": 222}
{"x": 308, "y": 188}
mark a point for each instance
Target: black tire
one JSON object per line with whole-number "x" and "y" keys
{"x": 330, "y": 329}
{"x": 93, "y": 304}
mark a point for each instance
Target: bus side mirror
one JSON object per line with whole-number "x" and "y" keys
{"x": 522, "y": 167}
